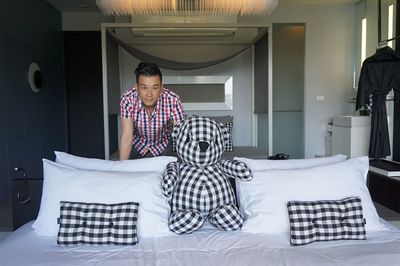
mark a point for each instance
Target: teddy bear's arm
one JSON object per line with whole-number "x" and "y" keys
{"x": 236, "y": 169}
{"x": 170, "y": 178}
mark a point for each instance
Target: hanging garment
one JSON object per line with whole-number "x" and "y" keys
{"x": 380, "y": 74}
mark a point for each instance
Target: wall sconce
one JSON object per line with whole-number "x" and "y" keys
{"x": 23, "y": 196}
{"x": 35, "y": 77}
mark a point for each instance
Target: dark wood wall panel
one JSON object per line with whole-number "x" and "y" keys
{"x": 34, "y": 22}
{"x": 83, "y": 71}
{"x": 4, "y": 182}
{"x": 51, "y": 142}
{"x": 113, "y": 132}
{"x": 11, "y": 89}
{"x": 32, "y": 125}
{"x": 33, "y": 103}
{"x": 28, "y": 211}
{"x": 53, "y": 118}
{"x": 26, "y": 153}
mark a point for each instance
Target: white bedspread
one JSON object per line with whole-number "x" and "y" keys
{"x": 206, "y": 247}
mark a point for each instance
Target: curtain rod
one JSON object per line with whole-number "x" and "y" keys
{"x": 388, "y": 40}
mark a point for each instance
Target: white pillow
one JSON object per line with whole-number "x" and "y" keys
{"x": 263, "y": 164}
{"x": 263, "y": 200}
{"x": 63, "y": 183}
{"x": 154, "y": 164}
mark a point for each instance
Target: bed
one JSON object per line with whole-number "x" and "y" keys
{"x": 264, "y": 239}
{"x": 206, "y": 247}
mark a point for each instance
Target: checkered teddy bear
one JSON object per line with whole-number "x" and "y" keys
{"x": 198, "y": 188}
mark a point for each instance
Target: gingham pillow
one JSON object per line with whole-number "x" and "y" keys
{"x": 229, "y": 143}
{"x": 326, "y": 220}
{"x": 97, "y": 224}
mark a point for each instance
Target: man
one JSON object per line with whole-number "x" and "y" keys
{"x": 148, "y": 112}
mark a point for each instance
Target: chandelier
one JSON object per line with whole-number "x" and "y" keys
{"x": 190, "y": 7}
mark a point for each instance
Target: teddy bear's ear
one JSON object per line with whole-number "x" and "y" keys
{"x": 225, "y": 132}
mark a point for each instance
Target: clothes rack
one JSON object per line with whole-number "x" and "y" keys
{"x": 385, "y": 42}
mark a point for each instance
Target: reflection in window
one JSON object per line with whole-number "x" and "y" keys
{"x": 390, "y": 25}
{"x": 363, "y": 39}
{"x": 202, "y": 92}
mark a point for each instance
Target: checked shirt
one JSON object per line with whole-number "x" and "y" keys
{"x": 152, "y": 131}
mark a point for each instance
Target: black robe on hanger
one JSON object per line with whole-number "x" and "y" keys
{"x": 380, "y": 74}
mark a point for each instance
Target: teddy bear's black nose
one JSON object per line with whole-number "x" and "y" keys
{"x": 203, "y": 145}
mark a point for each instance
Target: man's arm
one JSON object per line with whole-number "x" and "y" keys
{"x": 125, "y": 144}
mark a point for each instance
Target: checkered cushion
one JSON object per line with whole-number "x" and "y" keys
{"x": 97, "y": 224}
{"x": 326, "y": 220}
{"x": 229, "y": 143}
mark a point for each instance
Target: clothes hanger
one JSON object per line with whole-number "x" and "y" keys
{"x": 385, "y": 43}
{"x": 382, "y": 44}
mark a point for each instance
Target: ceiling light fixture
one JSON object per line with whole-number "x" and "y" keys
{"x": 189, "y": 7}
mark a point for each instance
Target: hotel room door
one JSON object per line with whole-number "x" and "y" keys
{"x": 288, "y": 59}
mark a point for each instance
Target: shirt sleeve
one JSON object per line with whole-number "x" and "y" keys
{"x": 126, "y": 105}
{"x": 178, "y": 114}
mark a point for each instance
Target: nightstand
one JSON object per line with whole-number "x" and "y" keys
{"x": 388, "y": 215}
{"x": 384, "y": 183}
{"x": 23, "y": 205}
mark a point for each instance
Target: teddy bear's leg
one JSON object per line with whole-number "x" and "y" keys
{"x": 226, "y": 217}
{"x": 185, "y": 221}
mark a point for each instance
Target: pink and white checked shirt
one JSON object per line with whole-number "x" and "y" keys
{"x": 152, "y": 131}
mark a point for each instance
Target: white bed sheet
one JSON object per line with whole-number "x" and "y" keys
{"x": 206, "y": 247}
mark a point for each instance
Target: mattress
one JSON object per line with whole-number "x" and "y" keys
{"x": 205, "y": 247}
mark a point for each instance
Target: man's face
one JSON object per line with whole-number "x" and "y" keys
{"x": 149, "y": 89}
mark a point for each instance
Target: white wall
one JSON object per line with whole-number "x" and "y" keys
{"x": 240, "y": 67}
{"x": 328, "y": 63}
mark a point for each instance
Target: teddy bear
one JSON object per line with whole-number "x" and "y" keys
{"x": 197, "y": 185}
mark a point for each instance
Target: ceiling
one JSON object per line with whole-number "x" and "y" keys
{"x": 194, "y": 46}
{"x": 90, "y": 5}
{"x": 75, "y": 5}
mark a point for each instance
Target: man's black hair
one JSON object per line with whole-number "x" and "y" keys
{"x": 147, "y": 69}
